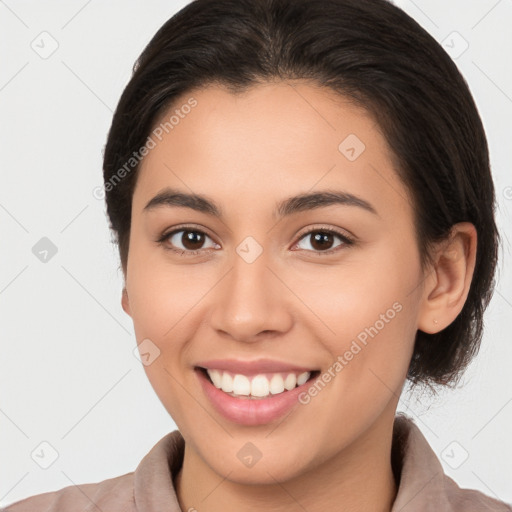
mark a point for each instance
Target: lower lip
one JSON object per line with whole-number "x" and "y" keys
{"x": 247, "y": 411}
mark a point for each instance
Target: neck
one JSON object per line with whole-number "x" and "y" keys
{"x": 359, "y": 478}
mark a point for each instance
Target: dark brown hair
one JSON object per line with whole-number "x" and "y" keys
{"x": 369, "y": 51}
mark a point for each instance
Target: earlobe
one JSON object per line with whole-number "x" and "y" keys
{"x": 448, "y": 284}
{"x": 125, "y": 302}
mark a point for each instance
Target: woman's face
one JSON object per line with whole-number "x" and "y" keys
{"x": 331, "y": 286}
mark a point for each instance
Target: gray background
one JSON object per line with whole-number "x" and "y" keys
{"x": 68, "y": 375}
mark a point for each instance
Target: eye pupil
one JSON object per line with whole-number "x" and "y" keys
{"x": 192, "y": 237}
{"x": 321, "y": 239}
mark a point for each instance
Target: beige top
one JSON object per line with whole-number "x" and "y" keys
{"x": 423, "y": 485}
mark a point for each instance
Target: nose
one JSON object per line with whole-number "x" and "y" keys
{"x": 251, "y": 301}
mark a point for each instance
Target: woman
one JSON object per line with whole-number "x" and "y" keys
{"x": 302, "y": 199}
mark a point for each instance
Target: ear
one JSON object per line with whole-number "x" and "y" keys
{"x": 125, "y": 302}
{"x": 447, "y": 284}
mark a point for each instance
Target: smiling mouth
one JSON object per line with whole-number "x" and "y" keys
{"x": 258, "y": 386}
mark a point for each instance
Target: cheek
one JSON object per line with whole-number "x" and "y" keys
{"x": 161, "y": 293}
{"x": 365, "y": 315}
{"x": 351, "y": 296}
{"x": 166, "y": 304}
{"x": 373, "y": 319}
{"x": 162, "y": 302}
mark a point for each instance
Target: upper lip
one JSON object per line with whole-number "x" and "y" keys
{"x": 252, "y": 367}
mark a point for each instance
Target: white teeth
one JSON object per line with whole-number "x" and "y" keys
{"x": 276, "y": 384}
{"x": 241, "y": 385}
{"x": 227, "y": 383}
{"x": 259, "y": 386}
{"x": 290, "y": 382}
{"x": 216, "y": 377}
{"x": 302, "y": 378}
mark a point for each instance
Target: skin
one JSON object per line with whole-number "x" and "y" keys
{"x": 294, "y": 303}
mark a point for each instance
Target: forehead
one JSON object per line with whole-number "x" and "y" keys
{"x": 270, "y": 140}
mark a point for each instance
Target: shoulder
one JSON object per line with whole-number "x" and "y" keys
{"x": 471, "y": 500}
{"x": 150, "y": 485}
{"x": 113, "y": 494}
{"x": 423, "y": 484}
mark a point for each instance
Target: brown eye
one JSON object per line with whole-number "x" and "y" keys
{"x": 192, "y": 240}
{"x": 323, "y": 240}
{"x": 186, "y": 241}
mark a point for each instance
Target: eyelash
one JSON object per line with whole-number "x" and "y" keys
{"x": 188, "y": 253}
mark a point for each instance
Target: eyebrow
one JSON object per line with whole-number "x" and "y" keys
{"x": 299, "y": 203}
